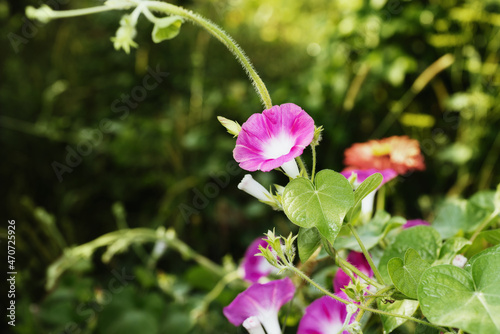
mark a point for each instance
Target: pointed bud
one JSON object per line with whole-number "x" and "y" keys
{"x": 289, "y": 247}
{"x": 317, "y": 135}
{"x": 254, "y": 188}
{"x": 231, "y": 126}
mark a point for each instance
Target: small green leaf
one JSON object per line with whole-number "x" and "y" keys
{"x": 451, "y": 296}
{"x": 308, "y": 241}
{"x": 323, "y": 204}
{"x": 372, "y": 232}
{"x": 406, "y": 274}
{"x": 402, "y": 307}
{"x": 461, "y": 216}
{"x": 424, "y": 239}
{"x": 364, "y": 189}
{"x": 166, "y": 28}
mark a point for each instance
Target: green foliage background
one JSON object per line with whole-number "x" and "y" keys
{"x": 362, "y": 69}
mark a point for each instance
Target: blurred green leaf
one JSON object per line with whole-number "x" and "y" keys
{"x": 492, "y": 236}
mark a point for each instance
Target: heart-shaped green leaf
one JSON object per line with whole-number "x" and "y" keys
{"x": 323, "y": 204}
{"x": 424, "y": 239}
{"x": 307, "y": 242}
{"x": 166, "y": 28}
{"x": 406, "y": 274}
{"x": 451, "y": 296}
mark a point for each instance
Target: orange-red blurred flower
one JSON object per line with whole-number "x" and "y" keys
{"x": 399, "y": 153}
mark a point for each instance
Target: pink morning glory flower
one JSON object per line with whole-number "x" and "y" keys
{"x": 359, "y": 261}
{"x": 325, "y": 316}
{"x": 256, "y": 267}
{"x": 415, "y": 222}
{"x": 274, "y": 139}
{"x": 262, "y": 301}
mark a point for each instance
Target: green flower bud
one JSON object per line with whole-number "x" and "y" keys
{"x": 231, "y": 126}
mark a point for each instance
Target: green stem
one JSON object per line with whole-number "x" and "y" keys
{"x": 313, "y": 148}
{"x": 380, "y": 199}
{"x": 484, "y": 224}
{"x": 367, "y": 255}
{"x": 345, "y": 263}
{"x": 362, "y": 312}
{"x": 46, "y": 14}
{"x": 361, "y": 307}
{"x": 222, "y": 36}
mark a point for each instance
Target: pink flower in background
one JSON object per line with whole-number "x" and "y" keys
{"x": 325, "y": 316}
{"x": 399, "y": 153}
{"x": 262, "y": 301}
{"x": 274, "y": 139}
{"x": 256, "y": 267}
{"x": 359, "y": 261}
{"x": 415, "y": 222}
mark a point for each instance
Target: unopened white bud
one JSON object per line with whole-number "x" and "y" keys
{"x": 254, "y": 188}
{"x": 291, "y": 169}
{"x": 253, "y": 326}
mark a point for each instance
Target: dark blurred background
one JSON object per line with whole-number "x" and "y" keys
{"x": 90, "y": 147}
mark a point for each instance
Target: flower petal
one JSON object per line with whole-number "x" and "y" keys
{"x": 324, "y": 316}
{"x": 415, "y": 222}
{"x": 262, "y": 301}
